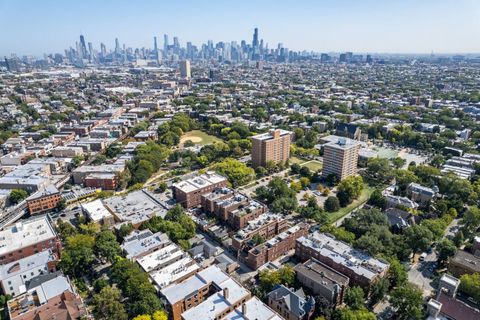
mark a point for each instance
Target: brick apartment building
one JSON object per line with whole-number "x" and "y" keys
{"x": 264, "y": 227}
{"x": 44, "y": 200}
{"x": 188, "y": 192}
{"x": 271, "y": 146}
{"x": 274, "y": 248}
{"x": 362, "y": 269}
{"x": 105, "y": 181}
{"x": 232, "y": 208}
{"x": 340, "y": 158}
{"x": 26, "y": 238}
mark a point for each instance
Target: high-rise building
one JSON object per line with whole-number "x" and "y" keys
{"x": 185, "y": 69}
{"x": 340, "y": 158}
{"x": 83, "y": 47}
{"x": 271, "y": 146}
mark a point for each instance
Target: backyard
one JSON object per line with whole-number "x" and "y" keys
{"x": 366, "y": 192}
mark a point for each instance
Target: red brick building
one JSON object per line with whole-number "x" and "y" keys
{"x": 44, "y": 200}
{"x": 27, "y": 238}
{"x": 188, "y": 192}
{"x": 105, "y": 181}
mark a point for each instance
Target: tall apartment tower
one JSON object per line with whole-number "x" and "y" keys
{"x": 340, "y": 158}
{"x": 185, "y": 69}
{"x": 271, "y": 146}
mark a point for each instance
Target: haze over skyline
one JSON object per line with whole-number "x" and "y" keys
{"x": 409, "y": 26}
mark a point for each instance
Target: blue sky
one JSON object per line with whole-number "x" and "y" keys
{"x": 394, "y": 26}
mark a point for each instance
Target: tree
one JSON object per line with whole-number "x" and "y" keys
{"x": 78, "y": 254}
{"x": 470, "y": 284}
{"x": 270, "y": 278}
{"x": 471, "y": 220}
{"x": 408, "y": 302}
{"x": 237, "y": 173}
{"x": 397, "y": 275}
{"x": 106, "y": 246}
{"x": 378, "y": 170}
{"x": 160, "y": 315}
{"x": 377, "y": 199}
{"x": 107, "y": 304}
{"x": 18, "y": 195}
{"x": 445, "y": 248}
{"x": 332, "y": 204}
{"x": 418, "y": 238}
{"x": 295, "y": 168}
{"x": 379, "y": 290}
{"x": 143, "y": 317}
{"x": 398, "y": 162}
{"x": 349, "y": 314}
{"x": 354, "y": 298}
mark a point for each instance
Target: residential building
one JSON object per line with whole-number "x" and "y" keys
{"x": 188, "y": 192}
{"x": 290, "y": 304}
{"x": 98, "y": 213}
{"x": 232, "y": 208}
{"x": 15, "y": 276}
{"x": 212, "y": 294}
{"x": 274, "y": 248}
{"x": 185, "y": 71}
{"x": 140, "y": 243}
{"x": 348, "y": 130}
{"x": 272, "y": 146}
{"x": 419, "y": 193}
{"x": 105, "y": 181}
{"x": 167, "y": 265}
{"x": 43, "y": 200}
{"x": 340, "y": 158}
{"x": 362, "y": 269}
{"x": 463, "y": 263}
{"x": 26, "y": 238}
{"x": 264, "y": 227}
{"x": 49, "y": 297}
{"x": 322, "y": 280}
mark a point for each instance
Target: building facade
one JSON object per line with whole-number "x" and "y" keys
{"x": 188, "y": 193}
{"x": 340, "y": 158}
{"x": 272, "y": 146}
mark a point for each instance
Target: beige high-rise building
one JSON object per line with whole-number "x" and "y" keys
{"x": 185, "y": 69}
{"x": 340, "y": 158}
{"x": 271, "y": 146}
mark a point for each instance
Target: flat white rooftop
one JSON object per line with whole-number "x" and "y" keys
{"x": 198, "y": 182}
{"x": 25, "y": 233}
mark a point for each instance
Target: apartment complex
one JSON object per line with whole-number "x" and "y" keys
{"x": 274, "y": 248}
{"x": 272, "y": 146}
{"x": 264, "y": 227}
{"x": 232, "y": 208}
{"x": 322, "y": 280}
{"x": 212, "y": 294}
{"x": 43, "y": 200}
{"x": 362, "y": 269}
{"x": 140, "y": 243}
{"x": 340, "y": 158}
{"x": 188, "y": 193}
{"x": 26, "y": 238}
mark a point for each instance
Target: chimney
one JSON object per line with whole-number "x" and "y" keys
{"x": 244, "y": 309}
{"x": 225, "y": 293}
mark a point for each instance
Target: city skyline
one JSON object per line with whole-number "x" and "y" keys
{"x": 368, "y": 27}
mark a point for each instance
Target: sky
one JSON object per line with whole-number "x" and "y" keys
{"x": 35, "y": 27}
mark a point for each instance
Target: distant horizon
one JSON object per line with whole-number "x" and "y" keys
{"x": 408, "y": 27}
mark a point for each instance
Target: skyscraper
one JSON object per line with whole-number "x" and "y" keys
{"x": 83, "y": 47}
{"x": 255, "y": 38}
{"x": 165, "y": 42}
{"x": 185, "y": 69}
{"x": 155, "y": 48}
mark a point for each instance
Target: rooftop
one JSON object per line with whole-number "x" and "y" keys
{"x": 25, "y": 233}
{"x": 198, "y": 182}
{"x": 142, "y": 241}
{"x": 341, "y": 253}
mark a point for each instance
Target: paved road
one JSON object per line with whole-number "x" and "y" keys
{"x": 421, "y": 273}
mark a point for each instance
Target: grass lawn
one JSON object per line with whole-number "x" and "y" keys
{"x": 313, "y": 165}
{"x": 294, "y": 159}
{"x": 334, "y": 216}
{"x": 199, "y": 137}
